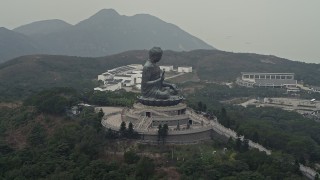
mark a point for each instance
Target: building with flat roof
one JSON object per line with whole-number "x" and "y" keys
{"x": 251, "y": 79}
{"x": 123, "y": 76}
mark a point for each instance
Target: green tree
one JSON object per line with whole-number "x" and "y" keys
{"x": 238, "y": 144}
{"x": 223, "y": 118}
{"x": 131, "y": 157}
{"x": 37, "y": 135}
{"x": 145, "y": 169}
{"x": 204, "y": 108}
{"x": 159, "y": 132}
{"x": 123, "y": 129}
{"x": 130, "y": 130}
{"x": 164, "y": 132}
{"x": 255, "y": 137}
{"x": 245, "y": 145}
{"x": 101, "y": 113}
{"x": 200, "y": 106}
{"x": 110, "y": 134}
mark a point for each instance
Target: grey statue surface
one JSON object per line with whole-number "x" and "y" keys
{"x": 153, "y": 85}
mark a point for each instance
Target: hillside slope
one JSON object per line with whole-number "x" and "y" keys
{"x": 13, "y": 44}
{"x": 41, "y": 28}
{"x": 24, "y": 75}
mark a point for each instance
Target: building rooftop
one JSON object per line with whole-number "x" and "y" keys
{"x": 258, "y": 73}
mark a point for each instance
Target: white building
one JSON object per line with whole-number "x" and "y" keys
{"x": 105, "y": 76}
{"x": 185, "y": 69}
{"x": 250, "y": 79}
{"x": 136, "y": 77}
{"x": 124, "y": 76}
{"x": 110, "y": 86}
{"x": 166, "y": 68}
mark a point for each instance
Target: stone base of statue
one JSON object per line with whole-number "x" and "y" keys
{"x": 145, "y": 116}
{"x": 172, "y": 101}
{"x": 185, "y": 126}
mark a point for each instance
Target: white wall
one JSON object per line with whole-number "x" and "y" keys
{"x": 166, "y": 68}
{"x": 104, "y": 76}
{"x": 110, "y": 87}
{"x": 185, "y": 69}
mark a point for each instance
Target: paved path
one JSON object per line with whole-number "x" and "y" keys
{"x": 175, "y": 76}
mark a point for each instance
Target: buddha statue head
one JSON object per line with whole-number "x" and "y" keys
{"x": 155, "y": 54}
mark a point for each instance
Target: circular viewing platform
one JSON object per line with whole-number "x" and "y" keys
{"x": 184, "y": 126}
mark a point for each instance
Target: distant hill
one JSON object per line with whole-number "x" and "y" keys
{"x": 25, "y": 75}
{"x": 41, "y": 28}
{"x": 13, "y": 44}
{"x": 104, "y": 33}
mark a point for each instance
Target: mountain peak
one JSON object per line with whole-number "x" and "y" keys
{"x": 106, "y": 13}
{"x": 101, "y": 17}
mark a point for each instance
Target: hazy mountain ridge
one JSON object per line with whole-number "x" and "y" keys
{"x": 22, "y": 76}
{"x": 13, "y": 44}
{"x": 103, "y": 34}
{"x": 40, "y": 28}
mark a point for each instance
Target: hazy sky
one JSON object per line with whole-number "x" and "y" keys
{"x": 285, "y": 28}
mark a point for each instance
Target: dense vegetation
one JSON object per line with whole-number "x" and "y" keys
{"x": 117, "y": 98}
{"x": 278, "y": 129}
{"x": 274, "y": 128}
{"x": 213, "y": 163}
{"x": 39, "y": 144}
{"x": 21, "y": 77}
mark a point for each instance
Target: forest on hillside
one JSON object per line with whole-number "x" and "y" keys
{"x": 38, "y": 142}
{"x": 25, "y": 75}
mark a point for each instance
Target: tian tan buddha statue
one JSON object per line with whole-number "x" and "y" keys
{"x": 153, "y": 86}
